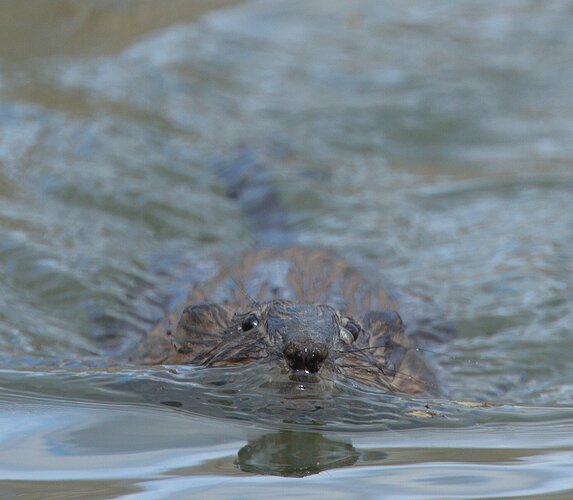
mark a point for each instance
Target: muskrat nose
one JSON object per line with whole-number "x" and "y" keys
{"x": 308, "y": 359}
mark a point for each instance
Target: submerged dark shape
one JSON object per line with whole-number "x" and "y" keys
{"x": 315, "y": 316}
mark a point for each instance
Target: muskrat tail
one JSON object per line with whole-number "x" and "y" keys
{"x": 250, "y": 183}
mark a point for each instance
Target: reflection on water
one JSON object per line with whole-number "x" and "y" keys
{"x": 434, "y": 140}
{"x": 295, "y": 454}
{"x": 118, "y": 448}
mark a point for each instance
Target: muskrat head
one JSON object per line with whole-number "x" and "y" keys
{"x": 307, "y": 334}
{"x": 301, "y": 337}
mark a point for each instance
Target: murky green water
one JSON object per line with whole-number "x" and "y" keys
{"x": 432, "y": 138}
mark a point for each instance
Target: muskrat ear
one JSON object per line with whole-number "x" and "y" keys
{"x": 384, "y": 326}
{"x": 198, "y": 323}
{"x": 351, "y": 326}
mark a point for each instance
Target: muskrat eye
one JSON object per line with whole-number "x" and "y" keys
{"x": 250, "y": 322}
{"x": 353, "y": 328}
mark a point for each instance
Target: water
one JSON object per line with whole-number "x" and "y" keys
{"x": 435, "y": 140}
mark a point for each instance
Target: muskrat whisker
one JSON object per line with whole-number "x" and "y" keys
{"x": 375, "y": 368}
{"x": 358, "y": 367}
{"x": 394, "y": 374}
{"x": 437, "y": 353}
{"x": 367, "y": 374}
{"x": 243, "y": 290}
{"x": 362, "y": 354}
{"x": 216, "y": 352}
{"x": 240, "y": 359}
{"x": 232, "y": 360}
{"x": 416, "y": 349}
{"x": 361, "y": 349}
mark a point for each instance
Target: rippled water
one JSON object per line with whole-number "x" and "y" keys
{"x": 432, "y": 138}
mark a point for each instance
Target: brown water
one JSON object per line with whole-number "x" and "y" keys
{"x": 433, "y": 139}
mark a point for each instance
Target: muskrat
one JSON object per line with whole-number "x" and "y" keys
{"x": 308, "y": 311}
{"x": 312, "y": 314}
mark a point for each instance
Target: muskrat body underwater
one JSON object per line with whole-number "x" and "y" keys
{"x": 309, "y": 312}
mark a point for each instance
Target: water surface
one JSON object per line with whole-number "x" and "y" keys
{"x": 433, "y": 140}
